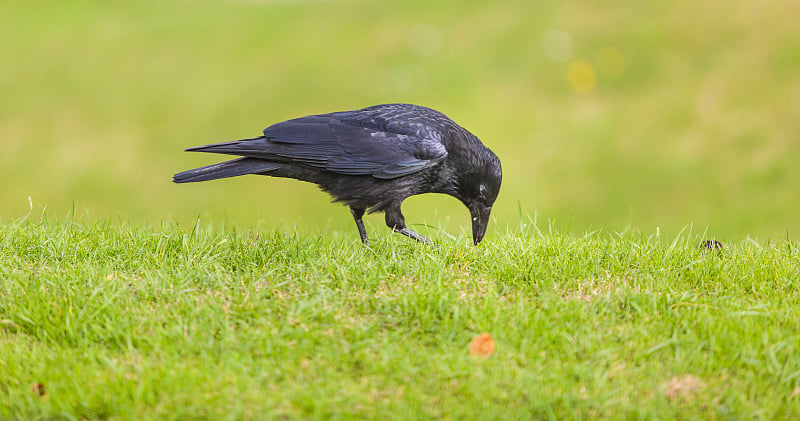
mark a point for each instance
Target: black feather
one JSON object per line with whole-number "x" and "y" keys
{"x": 370, "y": 159}
{"x": 233, "y": 168}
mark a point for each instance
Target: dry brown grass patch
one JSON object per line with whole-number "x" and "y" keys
{"x": 684, "y": 387}
{"x": 592, "y": 288}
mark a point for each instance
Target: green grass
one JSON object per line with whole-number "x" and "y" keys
{"x": 193, "y": 320}
{"x": 126, "y": 321}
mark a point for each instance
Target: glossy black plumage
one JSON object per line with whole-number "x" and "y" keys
{"x": 370, "y": 159}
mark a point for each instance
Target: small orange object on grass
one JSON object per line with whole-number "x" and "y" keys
{"x": 482, "y": 346}
{"x": 38, "y": 389}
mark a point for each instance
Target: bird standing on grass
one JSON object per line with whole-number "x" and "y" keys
{"x": 371, "y": 160}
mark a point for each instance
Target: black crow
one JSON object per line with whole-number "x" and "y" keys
{"x": 371, "y": 160}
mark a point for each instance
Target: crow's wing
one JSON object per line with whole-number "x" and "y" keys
{"x": 353, "y": 143}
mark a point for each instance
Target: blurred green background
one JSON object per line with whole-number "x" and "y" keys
{"x": 605, "y": 114}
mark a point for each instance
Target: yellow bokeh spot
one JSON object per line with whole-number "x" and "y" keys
{"x": 581, "y": 76}
{"x": 611, "y": 63}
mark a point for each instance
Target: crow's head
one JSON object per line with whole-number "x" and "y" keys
{"x": 478, "y": 186}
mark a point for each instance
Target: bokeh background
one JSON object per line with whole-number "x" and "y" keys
{"x": 606, "y": 114}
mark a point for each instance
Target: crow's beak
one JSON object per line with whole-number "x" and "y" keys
{"x": 480, "y": 220}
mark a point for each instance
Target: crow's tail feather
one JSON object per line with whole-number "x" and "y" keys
{"x": 233, "y": 168}
{"x": 236, "y": 147}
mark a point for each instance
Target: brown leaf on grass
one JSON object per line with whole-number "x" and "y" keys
{"x": 795, "y": 392}
{"x": 683, "y": 387}
{"x": 38, "y": 389}
{"x": 482, "y": 346}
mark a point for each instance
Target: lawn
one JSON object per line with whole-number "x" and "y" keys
{"x": 117, "y": 320}
{"x": 628, "y": 132}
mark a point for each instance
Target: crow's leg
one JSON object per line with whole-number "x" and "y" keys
{"x": 395, "y": 221}
{"x": 357, "y": 214}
